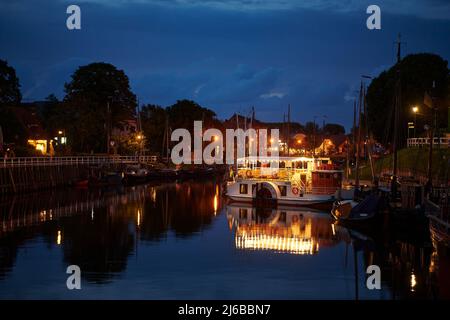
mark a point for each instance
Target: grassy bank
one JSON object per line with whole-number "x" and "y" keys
{"x": 412, "y": 162}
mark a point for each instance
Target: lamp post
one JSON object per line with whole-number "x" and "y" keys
{"x": 140, "y": 139}
{"x": 415, "y": 109}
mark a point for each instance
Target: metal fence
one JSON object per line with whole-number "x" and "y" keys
{"x": 60, "y": 161}
{"x": 423, "y": 142}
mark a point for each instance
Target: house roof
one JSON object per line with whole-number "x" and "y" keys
{"x": 29, "y": 118}
{"x": 338, "y": 139}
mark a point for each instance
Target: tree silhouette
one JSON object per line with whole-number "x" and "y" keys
{"x": 418, "y": 73}
{"x": 9, "y": 85}
{"x": 9, "y": 97}
{"x": 93, "y": 87}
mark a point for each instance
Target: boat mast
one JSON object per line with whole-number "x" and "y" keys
{"x": 368, "y": 140}
{"x": 288, "y": 128}
{"x": 397, "y": 104}
{"x": 167, "y": 139}
{"x": 358, "y": 140}
{"x": 433, "y": 126}
{"x": 354, "y": 129}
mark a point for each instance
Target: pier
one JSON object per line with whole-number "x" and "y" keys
{"x": 23, "y": 174}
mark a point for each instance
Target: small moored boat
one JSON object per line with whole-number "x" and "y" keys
{"x": 358, "y": 213}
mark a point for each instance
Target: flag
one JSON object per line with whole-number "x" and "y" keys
{"x": 427, "y": 100}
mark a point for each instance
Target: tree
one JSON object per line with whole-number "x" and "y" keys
{"x": 153, "y": 119}
{"x": 9, "y": 85}
{"x": 333, "y": 129}
{"x": 10, "y": 96}
{"x": 311, "y": 128}
{"x": 184, "y": 112}
{"x": 97, "y": 97}
{"x": 418, "y": 73}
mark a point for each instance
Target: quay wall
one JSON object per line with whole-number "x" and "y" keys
{"x": 31, "y": 174}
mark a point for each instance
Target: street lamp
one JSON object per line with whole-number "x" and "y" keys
{"x": 415, "y": 110}
{"x": 62, "y": 136}
{"x": 140, "y": 139}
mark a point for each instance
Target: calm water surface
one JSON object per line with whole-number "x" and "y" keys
{"x": 180, "y": 241}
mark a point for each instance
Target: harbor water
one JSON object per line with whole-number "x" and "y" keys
{"x": 181, "y": 240}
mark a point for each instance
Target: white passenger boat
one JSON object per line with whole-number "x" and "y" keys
{"x": 299, "y": 181}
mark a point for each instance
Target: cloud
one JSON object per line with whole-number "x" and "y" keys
{"x": 239, "y": 85}
{"x": 273, "y": 94}
{"x": 40, "y": 82}
{"x": 434, "y": 9}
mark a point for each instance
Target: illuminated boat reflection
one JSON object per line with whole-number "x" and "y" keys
{"x": 283, "y": 231}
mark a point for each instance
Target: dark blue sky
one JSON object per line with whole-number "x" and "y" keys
{"x": 226, "y": 55}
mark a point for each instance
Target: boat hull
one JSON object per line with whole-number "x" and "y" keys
{"x": 318, "y": 204}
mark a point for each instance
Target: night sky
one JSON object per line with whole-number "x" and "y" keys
{"x": 226, "y": 55}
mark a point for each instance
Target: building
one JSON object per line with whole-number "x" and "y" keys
{"x": 334, "y": 144}
{"x": 28, "y": 117}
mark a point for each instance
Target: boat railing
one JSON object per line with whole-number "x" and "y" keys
{"x": 326, "y": 167}
{"x": 286, "y": 174}
{"x": 319, "y": 190}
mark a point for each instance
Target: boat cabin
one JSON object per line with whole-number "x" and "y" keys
{"x": 309, "y": 175}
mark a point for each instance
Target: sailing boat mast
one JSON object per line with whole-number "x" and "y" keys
{"x": 354, "y": 129}
{"x": 368, "y": 139}
{"x": 358, "y": 140}
{"x": 397, "y": 104}
{"x": 288, "y": 128}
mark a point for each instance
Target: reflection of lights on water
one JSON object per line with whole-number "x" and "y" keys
{"x": 333, "y": 229}
{"x": 59, "y": 238}
{"x": 216, "y": 200}
{"x": 42, "y": 215}
{"x": 138, "y": 222}
{"x": 153, "y": 194}
{"x": 92, "y": 214}
{"x": 215, "y": 204}
{"x": 282, "y": 244}
{"x": 230, "y": 223}
{"x": 433, "y": 261}
{"x": 413, "y": 281}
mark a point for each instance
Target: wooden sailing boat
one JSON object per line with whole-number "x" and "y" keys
{"x": 364, "y": 208}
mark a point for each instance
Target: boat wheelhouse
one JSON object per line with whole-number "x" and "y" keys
{"x": 296, "y": 181}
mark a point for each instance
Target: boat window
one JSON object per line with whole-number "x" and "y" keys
{"x": 243, "y": 189}
{"x": 283, "y": 190}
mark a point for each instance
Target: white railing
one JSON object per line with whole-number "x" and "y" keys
{"x": 421, "y": 142}
{"x": 76, "y": 160}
